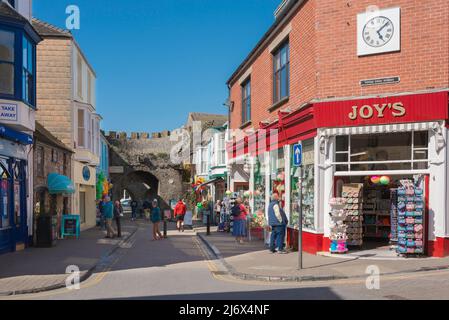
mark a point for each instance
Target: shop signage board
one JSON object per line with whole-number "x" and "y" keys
{"x": 70, "y": 226}
{"x": 297, "y": 155}
{"x": 379, "y": 81}
{"x": 383, "y": 110}
{"x": 8, "y": 111}
{"x": 116, "y": 169}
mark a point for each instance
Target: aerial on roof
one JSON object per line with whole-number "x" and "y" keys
{"x": 46, "y": 29}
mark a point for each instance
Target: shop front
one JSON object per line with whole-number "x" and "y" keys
{"x": 385, "y": 158}
{"x": 14, "y": 224}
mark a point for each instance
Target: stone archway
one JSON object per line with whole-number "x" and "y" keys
{"x": 141, "y": 185}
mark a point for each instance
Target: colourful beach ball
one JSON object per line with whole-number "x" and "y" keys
{"x": 384, "y": 180}
{"x": 375, "y": 179}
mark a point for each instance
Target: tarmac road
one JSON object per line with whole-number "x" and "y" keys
{"x": 179, "y": 268}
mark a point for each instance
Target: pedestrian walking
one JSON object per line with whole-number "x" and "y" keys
{"x": 108, "y": 212}
{"x": 134, "y": 206}
{"x": 156, "y": 219}
{"x": 239, "y": 212}
{"x": 147, "y": 207}
{"x": 217, "y": 211}
{"x": 118, "y": 214}
{"x": 180, "y": 213}
{"x": 277, "y": 220}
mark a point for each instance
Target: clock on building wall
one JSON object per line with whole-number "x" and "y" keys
{"x": 86, "y": 173}
{"x": 379, "y": 31}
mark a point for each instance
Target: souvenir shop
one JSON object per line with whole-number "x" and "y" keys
{"x": 374, "y": 175}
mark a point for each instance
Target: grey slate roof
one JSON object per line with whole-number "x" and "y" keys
{"x": 6, "y": 12}
{"x": 45, "y": 136}
{"x": 46, "y": 29}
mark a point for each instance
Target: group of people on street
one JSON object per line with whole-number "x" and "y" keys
{"x": 277, "y": 222}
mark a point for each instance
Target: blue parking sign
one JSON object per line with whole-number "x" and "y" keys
{"x": 297, "y": 155}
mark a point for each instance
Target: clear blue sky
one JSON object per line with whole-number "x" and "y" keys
{"x": 156, "y": 61}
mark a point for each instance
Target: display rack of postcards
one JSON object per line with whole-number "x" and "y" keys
{"x": 338, "y": 227}
{"x": 394, "y": 217}
{"x": 353, "y": 195}
{"x": 410, "y": 204}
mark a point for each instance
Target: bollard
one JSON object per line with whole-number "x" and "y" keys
{"x": 165, "y": 228}
{"x": 208, "y": 224}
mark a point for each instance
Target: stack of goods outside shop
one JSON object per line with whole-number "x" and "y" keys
{"x": 381, "y": 211}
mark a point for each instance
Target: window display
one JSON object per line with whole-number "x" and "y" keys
{"x": 277, "y": 161}
{"x": 4, "y": 187}
{"x": 308, "y": 189}
{"x": 338, "y": 228}
{"x": 353, "y": 195}
{"x": 259, "y": 185}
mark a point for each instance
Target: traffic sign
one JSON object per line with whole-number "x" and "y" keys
{"x": 297, "y": 155}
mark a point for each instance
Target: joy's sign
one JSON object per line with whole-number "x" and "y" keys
{"x": 397, "y": 110}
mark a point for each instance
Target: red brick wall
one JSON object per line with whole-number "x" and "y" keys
{"x": 324, "y": 61}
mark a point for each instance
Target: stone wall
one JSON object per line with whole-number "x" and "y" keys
{"x": 142, "y": 163}
{"x": 54, "y": 88}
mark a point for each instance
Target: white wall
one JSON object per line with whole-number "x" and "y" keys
{"x": 85, "y": 71}
{"x": 438, "y": 189}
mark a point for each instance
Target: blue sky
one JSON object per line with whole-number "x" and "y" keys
{"x": 156, "y": 61}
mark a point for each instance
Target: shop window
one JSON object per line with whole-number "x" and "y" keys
{"x": 260, "y": 172}
{"x": 382, "y": 152}
{"x": 304, "y": 178}
{"x": 4, "y": 194}
{"x": 221, "y": 150}
{"x": 7, "y": 53}
{"x": 54, "y": 155}
{"x": 281, "y": 73}
{"x": 277, "y": 176}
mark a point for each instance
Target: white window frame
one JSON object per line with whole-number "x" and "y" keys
{"x": 412, "y": 160}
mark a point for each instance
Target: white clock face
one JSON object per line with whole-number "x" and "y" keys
{"x": 378, "y": 31}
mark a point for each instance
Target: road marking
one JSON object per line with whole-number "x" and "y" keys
{"x": 354, "y": 281}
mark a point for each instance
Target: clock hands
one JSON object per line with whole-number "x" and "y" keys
{"x": 378, "y": 31}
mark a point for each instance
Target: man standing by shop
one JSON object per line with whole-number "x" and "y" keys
{"x": 278, "y": 221}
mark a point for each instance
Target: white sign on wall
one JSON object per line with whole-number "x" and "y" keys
{"x": 379, "y": 31}
{"x": 116, "y": 169}
{"x": 8, "y": 111}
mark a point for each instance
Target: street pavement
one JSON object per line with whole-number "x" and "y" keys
{"x": 182, "y": 267}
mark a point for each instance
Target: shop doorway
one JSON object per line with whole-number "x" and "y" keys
{"x": 83, "y": 207}
{"x": 373, "y": 219}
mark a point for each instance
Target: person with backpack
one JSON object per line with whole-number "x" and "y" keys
{"x": 277, "y": 219}
{"x": 239, "y": 213}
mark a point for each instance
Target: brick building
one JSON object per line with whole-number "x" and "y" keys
{"x": 51, "y": 157}
{"x": 365, "y": 89}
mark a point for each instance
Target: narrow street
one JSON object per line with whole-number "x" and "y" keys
{"x": 178, "y": 268}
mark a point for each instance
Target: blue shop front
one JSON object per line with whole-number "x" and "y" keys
{"x": 14, "y": 151}
{"x": 18, "y": 40}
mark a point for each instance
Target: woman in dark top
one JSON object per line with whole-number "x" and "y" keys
{"x": 156, "y": 219}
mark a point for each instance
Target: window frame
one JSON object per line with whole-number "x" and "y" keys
{"x": 18, "y": 91}
{"x": 277, "y": 72}
{"x": 246, "y": 100}
{"x": 412, "y": 161}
